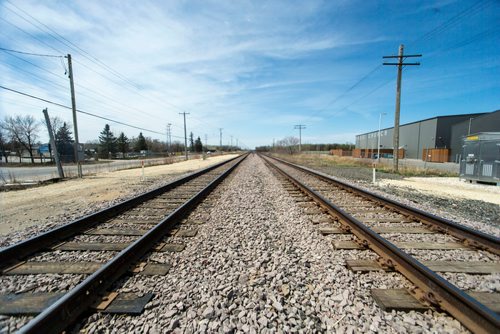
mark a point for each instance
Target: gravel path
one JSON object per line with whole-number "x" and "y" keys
{"x": 258, "y": 265}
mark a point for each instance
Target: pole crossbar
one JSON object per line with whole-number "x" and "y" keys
{"x": 405, "y": 56}
{"x": 404, "y": 64}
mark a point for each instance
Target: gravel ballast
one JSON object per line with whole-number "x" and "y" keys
{"x": 258, "y": 265}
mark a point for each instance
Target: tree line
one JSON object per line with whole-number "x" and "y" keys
{"x": 19, "y": 135}
{"x": 290, "y": 145}
{"x": 110, "y": 146}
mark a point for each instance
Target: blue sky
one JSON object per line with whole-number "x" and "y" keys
{"x": 253, "y": 68}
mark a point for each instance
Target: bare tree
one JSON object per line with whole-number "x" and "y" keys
{"x": 4, "y": 144}
{"x": 24, "y": 130}
{"x": 288, "y": 144}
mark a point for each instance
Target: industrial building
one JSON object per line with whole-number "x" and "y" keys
{"x": 441, "y": 132}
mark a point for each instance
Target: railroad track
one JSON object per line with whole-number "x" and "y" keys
{"x": 360, "y": 218}
{"x": 99, "y": 249}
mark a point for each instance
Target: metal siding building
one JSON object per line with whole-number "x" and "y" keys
{"x": 489, "y": 122}
{"x": 414, "y": 137}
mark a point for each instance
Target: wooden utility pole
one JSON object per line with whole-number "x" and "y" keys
{"x": 185, "y": 134}
{"x": 53, "y": 144}
{"x": 300, "y": 127}
{"x": 220, "y": 138}
{"x": 400, "y": 65}
{"x": 73, "y": 107}
{"x": 169, "y": 138}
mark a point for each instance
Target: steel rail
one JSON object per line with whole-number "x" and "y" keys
{"x": 436, "y": 290}
{"x": 72, "y": 305}
{"x": 469, "y": 236}
{"x": 17, "y": 252}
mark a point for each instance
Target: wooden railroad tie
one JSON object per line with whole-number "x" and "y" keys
{"x": 402, "y": 300}
{"x": 349, "y": 244}
{"x": 34, "y": 303}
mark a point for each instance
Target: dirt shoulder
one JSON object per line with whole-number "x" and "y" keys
{"x": 38, "y": 206}
{"x": 450, "y": 187}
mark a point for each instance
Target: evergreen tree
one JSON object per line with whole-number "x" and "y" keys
{"x": 140, "y": 144}
{"x": 123, "y": 144}
{"x": 198, "y": 146}
{"x": 191, "y": 142}
{"x": 64, "y": 143}
{"x": 107, "y": 143}
{"x": 63, "y": 134}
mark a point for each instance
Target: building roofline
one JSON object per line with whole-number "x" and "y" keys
{"x": 435, "y": 117}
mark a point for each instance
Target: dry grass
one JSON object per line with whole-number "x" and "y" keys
{"x": 324, "y": 160}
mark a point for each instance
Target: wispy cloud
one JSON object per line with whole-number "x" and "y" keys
{"x": 233, "y": 65}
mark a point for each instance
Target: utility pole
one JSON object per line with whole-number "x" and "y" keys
{"x": 400, "y": 65}
{"x": 185, "y": 133}
{"x": 231, "y": 146}
{"x": 220, "y": 135}
{"x": 73, "y": 107}
{"x": 53, "y": 144}
{"x": 206, "y": 140}
{"x": 169, "y": 141}
{"x": 300, "y": 127}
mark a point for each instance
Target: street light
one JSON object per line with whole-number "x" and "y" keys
{"x": 378, "y": 141}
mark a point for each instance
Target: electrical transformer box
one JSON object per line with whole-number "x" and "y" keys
{"x": 481, "y": 158}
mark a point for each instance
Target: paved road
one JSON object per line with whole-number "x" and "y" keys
{"x": 28, "y": 174}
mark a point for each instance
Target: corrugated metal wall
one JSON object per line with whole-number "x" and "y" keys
{"x": 478, "y": 123}
{"x": 438, "y": 132}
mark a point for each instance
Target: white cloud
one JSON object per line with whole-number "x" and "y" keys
{"x": 230, "y": 64}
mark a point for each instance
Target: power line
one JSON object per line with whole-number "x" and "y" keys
{"x": 106, "y": 105}
{"x": 357, "y": 83}
{"x": 30, "y": 54}
{"x": 439, "y": 29}
{"x": 81, "y": 111}
{"x": 454, "y": 20}
{"x": 61, "y": 39}
{"x": 79, "y": 62}
{"x": 79, "y": 85}
{"x": 27, "y": 33}
{"x": 86, "y": 55}
{"x": 70, "y": 44}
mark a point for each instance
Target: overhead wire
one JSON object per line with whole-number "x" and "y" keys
{"x": 76, "y": 60}
{"x": 71, "y": 44}
{"x": 448, "y": 24}
{"x": 344, "y": 93}
{"x": 91, "y": 58}
{"x": 106, "y": 105}
{"x": 99, "y": 63}
{"x": 454, "y": 20}
{"x": 81, "y": 111}
{"x": 30, "y": 54}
